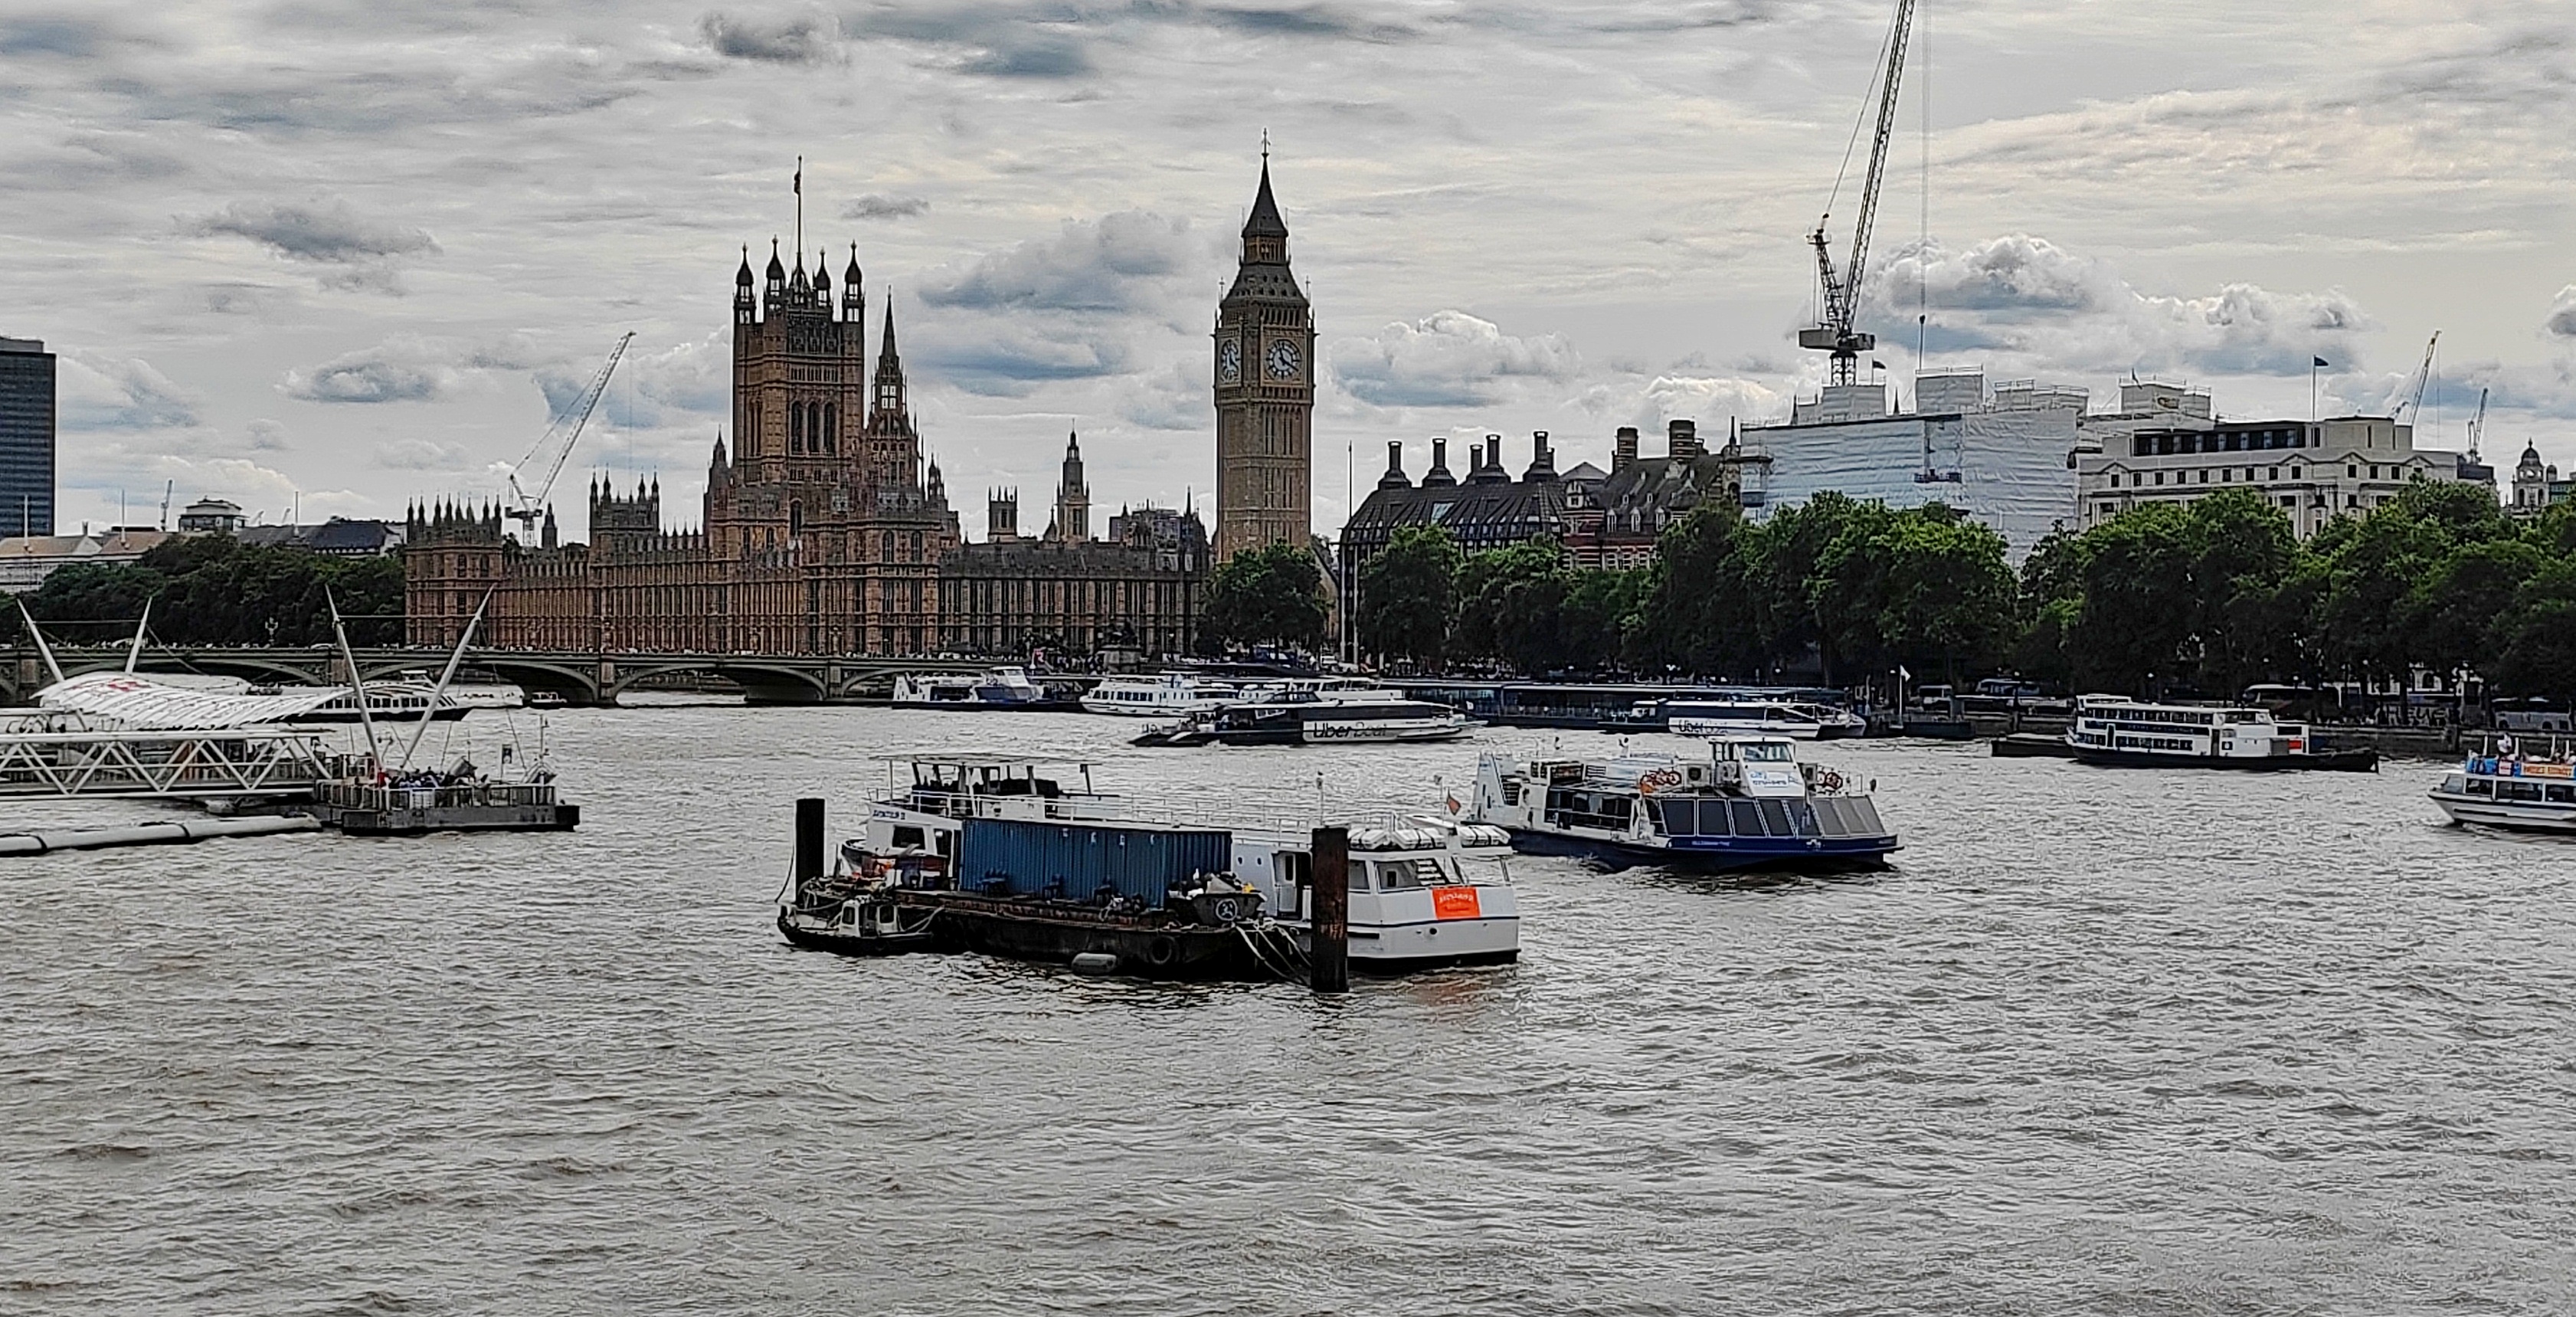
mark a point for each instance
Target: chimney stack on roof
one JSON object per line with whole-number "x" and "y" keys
{"x": 1623, "y": 450}
{"x": 1438, "y": 476}
{"x": 1542, "y": 467}
{"x": 1681, "y": 439}
{"x": 1394, "y": 477}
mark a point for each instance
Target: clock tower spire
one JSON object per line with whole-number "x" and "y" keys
{"x": 1265, "y": 391}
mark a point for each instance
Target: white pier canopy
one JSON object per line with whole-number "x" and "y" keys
{"x": 144, "y": 704}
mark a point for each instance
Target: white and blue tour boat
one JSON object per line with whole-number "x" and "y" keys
{"x": 2502, "y": 787}
{"x": 1170, "y": 695}
{"x": 994, "y": 688}
{"x": 1750, "y": 804}
{"x": 1753, "y": 717}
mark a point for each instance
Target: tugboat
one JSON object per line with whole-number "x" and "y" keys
{"x": 2501, "y": 787}
{"x": 1752, "y": 804}
{"x": 2116, "y": 731}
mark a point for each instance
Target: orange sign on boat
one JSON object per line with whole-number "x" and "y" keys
{"x": 1455, "y": 903}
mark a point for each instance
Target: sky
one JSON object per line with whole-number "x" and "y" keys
{"x": 329, "y": 256}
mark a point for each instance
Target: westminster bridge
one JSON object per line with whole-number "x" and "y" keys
{"x": 579, "y": 677}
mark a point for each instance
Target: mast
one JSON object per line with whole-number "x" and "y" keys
{"x": 357, "y": 681}
{"x": 447, "y": 674}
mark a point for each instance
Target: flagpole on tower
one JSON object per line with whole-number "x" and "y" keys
{"x": 2314, "y": 361}
{"x": 800, "y": 204}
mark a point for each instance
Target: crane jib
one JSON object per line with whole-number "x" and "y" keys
{"x": 1842, "y": 289}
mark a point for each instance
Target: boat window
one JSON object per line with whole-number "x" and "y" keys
{"x": 2559, "y": 795}
{"x": 2479, "y": 786}
{"x": 1766, "y": 753}
{"x": 1397, "y": 876}
{"x": 1829, "y": 817}
{"x": 1775, "y": 818}
{"x": 1747, "y": 817}
{"x": 2520, "y": 791}
{"x": 1864, "y": 817}
{"x": 907, "y": 837}
{"x": 1359, "y": 876}
{"x": 1802, "y": 818}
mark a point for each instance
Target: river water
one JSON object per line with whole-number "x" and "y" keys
{"x": 2099, "y": 1042}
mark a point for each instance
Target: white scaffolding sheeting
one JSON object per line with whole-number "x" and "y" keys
{"x": 2007, "y": 467}
{"x": 149, "y": 704}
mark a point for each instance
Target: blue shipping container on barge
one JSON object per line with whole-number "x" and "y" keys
{"x": 1073, "y": 861}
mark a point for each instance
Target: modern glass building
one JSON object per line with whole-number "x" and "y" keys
{"x": 26, "y": 437}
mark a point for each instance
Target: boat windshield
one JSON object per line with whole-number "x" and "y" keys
{"x": 1765, "y": 752}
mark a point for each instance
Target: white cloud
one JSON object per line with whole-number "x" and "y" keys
{"x": 2562, "y": 313}
{"x": 99, "y": 392}
{"x": 405, "y": 368}
{"x": 806, "y": 38}
{"x": 2029, "y": 300}
{"x": 1123, "y": 262}
{"x": 423, "y": 455}
{"x": 1445, "y": 359}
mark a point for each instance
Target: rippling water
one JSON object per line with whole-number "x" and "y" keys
{"x": 2100, "y": 1042}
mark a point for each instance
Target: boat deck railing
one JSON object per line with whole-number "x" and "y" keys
{"x": 369, "y": 795}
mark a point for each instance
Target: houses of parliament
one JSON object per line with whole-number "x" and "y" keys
{"x": 824, "y": 530}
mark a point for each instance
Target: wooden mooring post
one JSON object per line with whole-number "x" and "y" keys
{"x": 809, "y": 838}
{"x": 1330, "y": 954}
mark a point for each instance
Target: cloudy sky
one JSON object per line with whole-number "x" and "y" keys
{"x": 352, "y": 251}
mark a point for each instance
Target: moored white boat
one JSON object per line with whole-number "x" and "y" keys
{"x": 1750, "y": 804}
{"x": 1424, "y": 892}
{"x": 1309, "y": 718}
{"x": 1170, "y": 695}
{"x": 2118, "y": 731}
{"x": 1006, "y": 687}
{"x": 1756, "y": 717}
{"x": 2502, "y": 788}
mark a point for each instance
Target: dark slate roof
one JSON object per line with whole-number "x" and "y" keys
{"x": 1479, "y": 514}
{"x": 1653, "y": 490}
{"x": 1265, "y": 221}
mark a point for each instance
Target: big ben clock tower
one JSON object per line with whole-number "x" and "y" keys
{"x": 1265, "y": 393}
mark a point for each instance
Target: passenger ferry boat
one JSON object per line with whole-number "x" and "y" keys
{"x": 1024, "y": 858}
{"x": 1310, "y": 718}
{"x": 1173, "y": 694}
{"x": 1725, "y": 717}
{"x": 994, "y": 688}
{"x": 1752, "y": 803}
{"x": 2116, "y": 730}
{"x": 2499, "y": 787}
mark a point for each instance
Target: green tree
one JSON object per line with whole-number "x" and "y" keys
{"x": 1408, "y": 594}
{"x": 2537, "y": 636}
{"x": 1268, "y": 596}
{"x": 1498, "y": 591}
{"x": 1694, "y": 611}
{"x": 213, "y": 590}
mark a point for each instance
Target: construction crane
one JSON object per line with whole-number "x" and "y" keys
{"x": 527, "y": 509}
{"x": 2478, "y": 425}
{"x": 2423, "y": 376}
{"x": 1842, "y": 289}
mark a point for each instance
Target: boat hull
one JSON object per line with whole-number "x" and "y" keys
{"x": 1028, "y": 930}
{"x": 2480, "y": 811}
{"x": 1715, "y": 853}
{"x": 854, "y": 941}
{"x": 2329, "y": 761}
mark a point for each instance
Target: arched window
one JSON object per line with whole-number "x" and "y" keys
{"x": 795, "y": 427}
{"x": 796, "y": 517}
{"x": 831, "y": 427}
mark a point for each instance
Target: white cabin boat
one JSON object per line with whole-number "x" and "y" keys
{"x": 1171, "y": 695}
{"x": 1750, "y": 804}
{"x": 1003, "y": 688}
{"x": 1754, "y": 717}
{"x": 2502, "y": 788}
{"x": 1424, "y": 892}
{"x": 2116, "y": 730}
{"x": 1310, "y": 718}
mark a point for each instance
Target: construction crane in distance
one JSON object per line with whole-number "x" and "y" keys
{"x": 1842, "y": 290}
{"x": 2423, "y": 376}
{"x": 558, "y": 440}
{"x": 2478, "y": 425}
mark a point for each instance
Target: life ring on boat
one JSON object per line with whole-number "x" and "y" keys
{"x": 1830, "y": 780}
{"x": 1226, "y": 911}
{"x": 1161, "y": 952}
{"x": 1650, "y": 783}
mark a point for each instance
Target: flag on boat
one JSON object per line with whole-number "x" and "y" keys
{"x": 2321, "y": 362}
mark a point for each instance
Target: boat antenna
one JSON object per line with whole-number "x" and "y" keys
{"x": 357, "y": 680}
{"x": 430, "y": 709}
{"x": 41, "y": 647}
{"x": 134, "y": 652}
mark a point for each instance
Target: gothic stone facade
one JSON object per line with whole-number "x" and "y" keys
{"x": 821, "y": 532}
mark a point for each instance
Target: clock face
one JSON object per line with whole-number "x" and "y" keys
{"x": 1283, "y": 360}
{"x": 1229, "y": 361}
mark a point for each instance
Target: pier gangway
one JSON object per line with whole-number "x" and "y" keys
{"x": 66, "y": 756}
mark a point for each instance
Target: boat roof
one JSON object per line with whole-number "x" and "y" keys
{"x": 987, "y": 761}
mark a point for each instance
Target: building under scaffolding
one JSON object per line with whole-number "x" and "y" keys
{"x": 2004, "y": 456}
